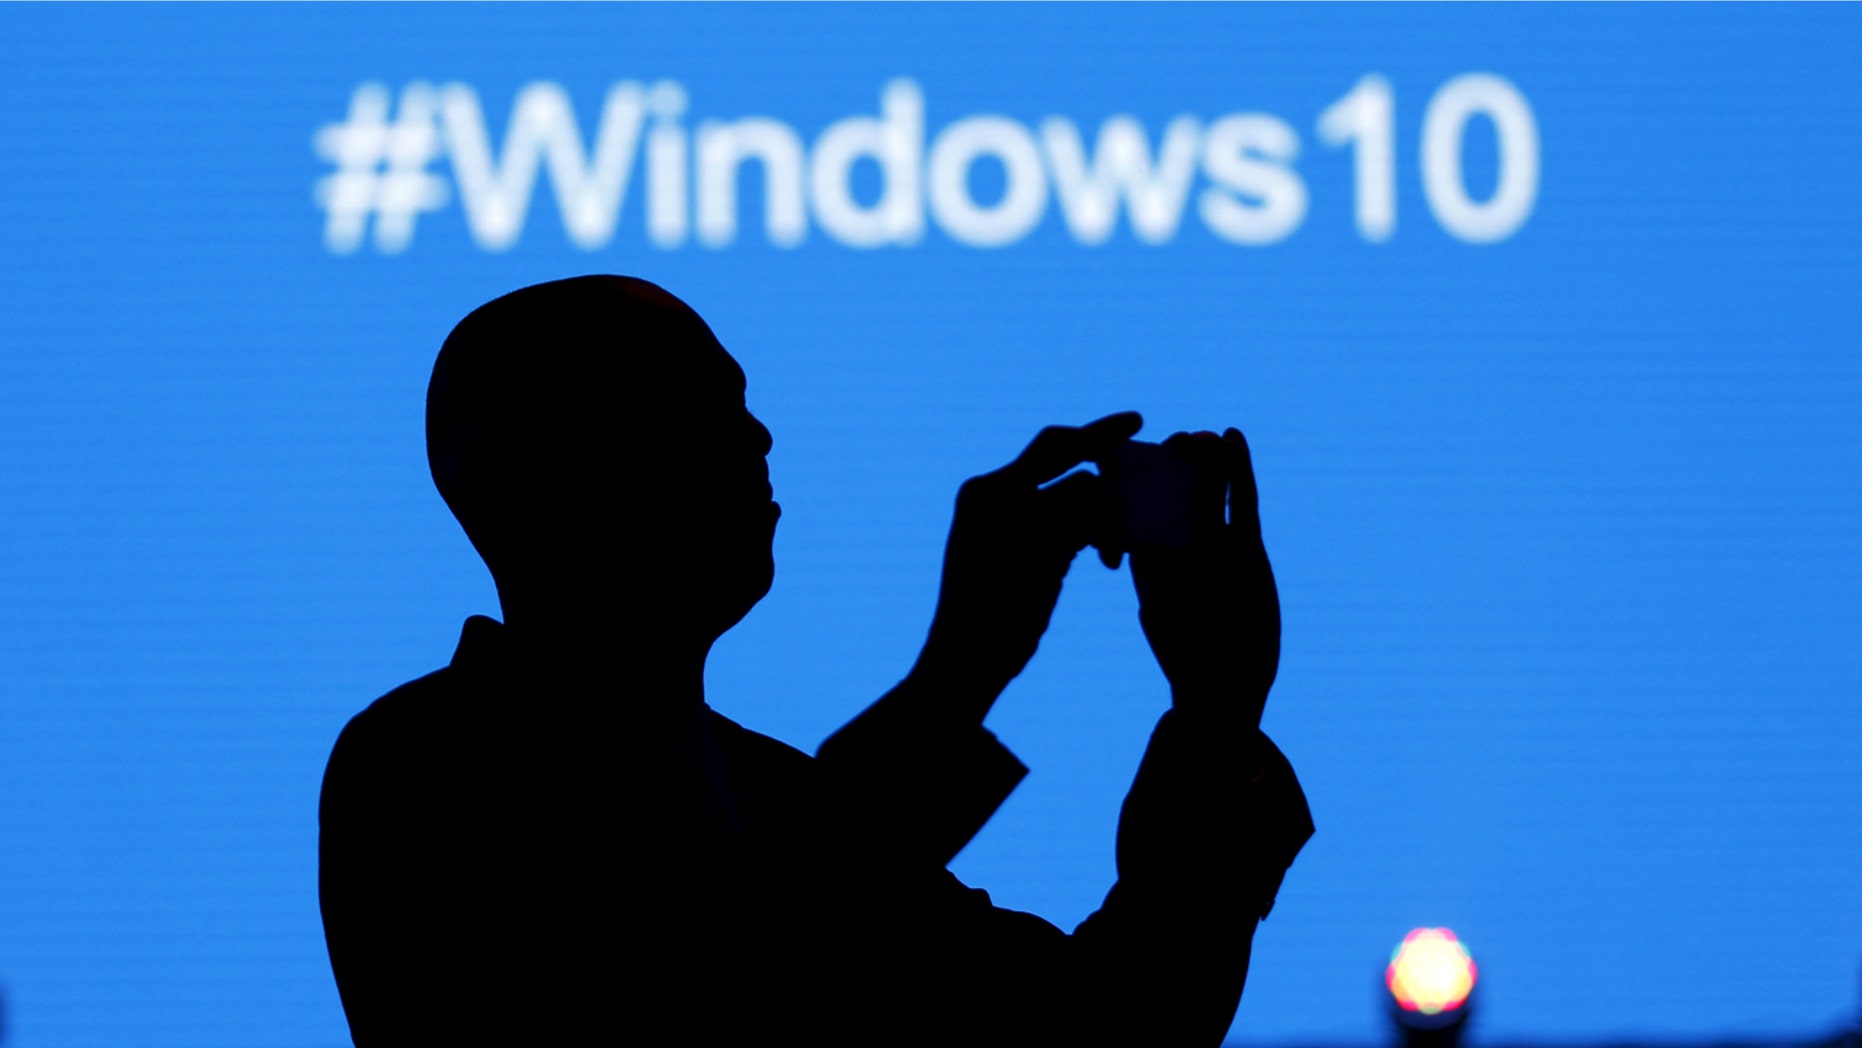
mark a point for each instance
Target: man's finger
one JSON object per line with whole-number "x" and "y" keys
{"x": 1244, "y": 498}
{"x": 1209, "y": 488}
{"x": 1082, "y": 509}
{"x": 1058, "y": 449}
{"x": 1120, "y": 425}
{"x": 1111, "y": 431}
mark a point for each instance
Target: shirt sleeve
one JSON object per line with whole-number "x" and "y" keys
{"x": 1213, "y": 819}
{"x": 916, "y": 785}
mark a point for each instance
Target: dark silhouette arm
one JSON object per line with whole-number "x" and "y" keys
{"x": 923, "y": 784}
{"x": 449, "y": 894}
{"x": 918, "y": 764}
{"x": 1214, "y": 817}
{"x": 378, "y": 919}
{"x": 1211, "y": 823}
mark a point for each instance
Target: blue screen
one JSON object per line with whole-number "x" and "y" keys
{"x": 1540, "y": 321}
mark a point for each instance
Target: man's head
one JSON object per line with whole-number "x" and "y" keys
{"x": 591, "y": 436}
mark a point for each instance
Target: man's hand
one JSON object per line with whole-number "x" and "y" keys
{"x": 1211, "y": 611}
{"x": 1011, "y": 543}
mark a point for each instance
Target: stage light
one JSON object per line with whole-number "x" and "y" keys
{"x": 1431, "y": 979}
{"x": 1430, "y": 972}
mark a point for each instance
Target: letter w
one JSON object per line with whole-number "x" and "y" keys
{"x": 589, "y": 191}
{"x": 1121, "y": 167}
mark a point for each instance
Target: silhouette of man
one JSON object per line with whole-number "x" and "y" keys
{"x": 553, "y": 840}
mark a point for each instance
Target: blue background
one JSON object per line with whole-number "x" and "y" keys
{"x": 1566, "y": 527}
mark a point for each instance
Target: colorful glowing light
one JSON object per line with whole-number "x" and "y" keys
{"x": 1431, "y": 972}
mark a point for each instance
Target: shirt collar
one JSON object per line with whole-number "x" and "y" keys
{"x": 482, "y": 645}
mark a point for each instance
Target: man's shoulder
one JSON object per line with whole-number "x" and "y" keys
{"x": 391, "y": 732}
{"x": 424, "y": 702}
{"x": 403, "y": 710}
{"x": 753, "y": 751}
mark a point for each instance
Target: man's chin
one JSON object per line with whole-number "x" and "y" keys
{"x": 728, "y": 604}
{"x": 755, "y": 593}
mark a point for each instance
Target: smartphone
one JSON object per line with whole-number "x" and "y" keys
{"x": 1154, "y": 486}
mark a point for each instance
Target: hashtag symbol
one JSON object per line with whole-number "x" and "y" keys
{"x": 381, "y": 169}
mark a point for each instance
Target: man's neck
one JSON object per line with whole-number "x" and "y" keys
{"x": 645, "y": 667}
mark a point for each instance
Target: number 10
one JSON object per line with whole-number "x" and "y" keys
{"x": 1366, "y": 120}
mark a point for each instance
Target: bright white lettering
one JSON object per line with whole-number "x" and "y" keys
{"x": 1024, "y": 198}
{"x": 1121, "y": 167}
{"x": 1366, "y": 118}
{"x": 895, "y": 141}
{"x": 666, "y": 177}
{"x": 1257, "y": 197}
{"x": 722, "y": 148}
{"x": 1444, "y": 124}
{"x": 496, "y": 195}
{"x": 385, "y": 171}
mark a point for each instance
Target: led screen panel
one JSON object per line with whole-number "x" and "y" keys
{"x": 1540, "y": 322}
